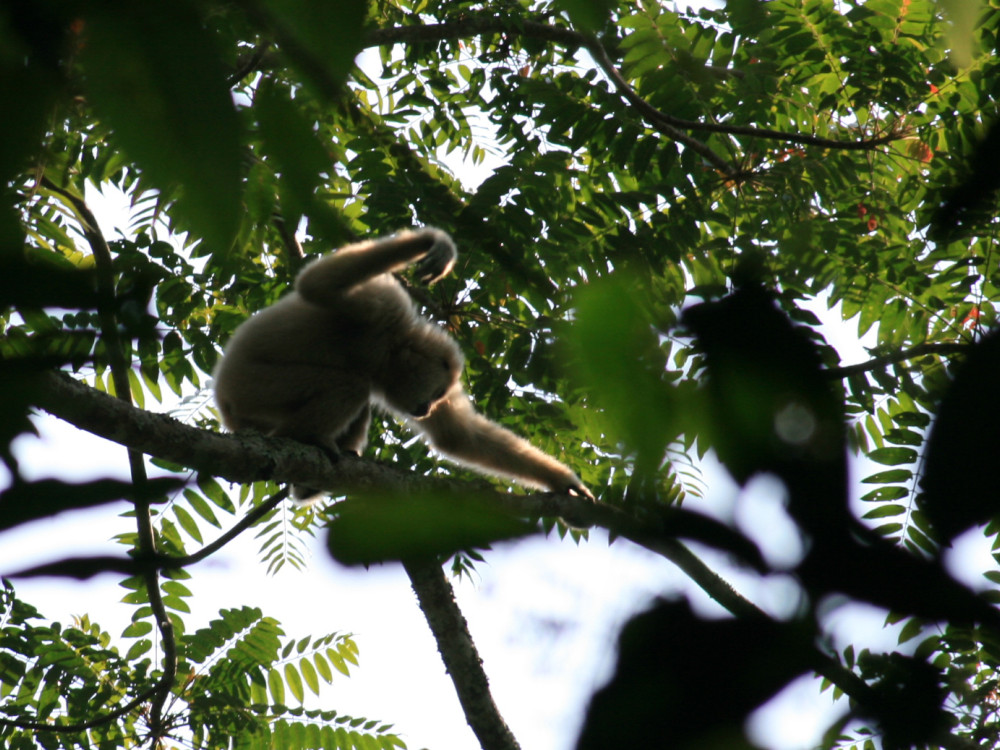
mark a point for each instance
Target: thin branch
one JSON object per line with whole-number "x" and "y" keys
{"x": 292, "y": 245}
{"x": 459, "y": 653}
{"x": 877, "y": 363}
{"x": 255, "y": 514}
{"x": 83, "y": 568}
{"x": 487, "y": 23}
{"x": 89, "y": 724}
{"x": 146, "y": 544}
{"x": 246, "y": 64}
{"x": 658, "y": 117}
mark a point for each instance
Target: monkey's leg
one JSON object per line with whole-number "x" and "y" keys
{"x": 355, "y": 437}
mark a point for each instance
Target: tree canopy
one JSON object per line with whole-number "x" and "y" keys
{"x": 651, "y": 205}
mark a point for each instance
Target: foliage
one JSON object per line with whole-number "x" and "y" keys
{"x": 603, "y": 166}
{"x": 237, "y": 671}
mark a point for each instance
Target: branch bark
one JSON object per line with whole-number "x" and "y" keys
{"x": 459, "y": 653}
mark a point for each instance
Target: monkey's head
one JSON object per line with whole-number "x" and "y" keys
{"x": 421, "y": 372}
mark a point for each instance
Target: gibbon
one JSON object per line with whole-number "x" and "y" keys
{"x": 311, "y": 365}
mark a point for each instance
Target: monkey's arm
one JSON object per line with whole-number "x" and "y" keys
{"x": 357, "y": 263}
{"x": 457, "y": 430}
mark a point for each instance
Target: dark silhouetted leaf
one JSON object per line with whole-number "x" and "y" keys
{"x": 373, "y": 529}
{"x": 665, "y": 692}
{"x": 958, "y": 491}
{"x": 155, "y": 74}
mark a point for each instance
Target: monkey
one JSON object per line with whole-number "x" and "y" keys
{"x": 347, "y": 338}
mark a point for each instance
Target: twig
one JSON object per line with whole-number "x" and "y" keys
{"x": 167, "y": 561}
{"x": 487, "y": 23}
{"x": 248, "y": 64}
{"x": 146, "y": 544}
{"x": 885, "y": 360}
{"x": 82, "y": 568}
{"x": 91, "y": 723}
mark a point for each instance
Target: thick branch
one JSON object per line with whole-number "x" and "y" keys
{"x": 458, "y": 651}
{"x": 248, "y": 457}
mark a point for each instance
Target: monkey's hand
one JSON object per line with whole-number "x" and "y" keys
{"x": 580, "y": 491}
{"x": 572, "y": 485}
{"x": 438, "y": 261}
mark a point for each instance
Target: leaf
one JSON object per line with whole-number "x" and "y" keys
{"x": 958, "y": 493}
{"x": 290, "y": 141}
{"x": 883, "y": 494}
{"x": 187, "y": 523}
{"x": 588, "y": 15}
{"x": 376, "y": 528}
{"x": 154, "y": 74}
{"x": 294, "y": 682}
{"x": 893, "y": 456}
{"x": 888, "y": 477}
{"x": 885, "y": 511}
{"x": 309, "y": 675}
{"x": 323, "y": 667}
{"x": 276, "y": 686}
{"x": 319, "y": 39}
{"x": 616, "y": 356}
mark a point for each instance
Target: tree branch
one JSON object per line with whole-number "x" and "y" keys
{"x": 247, "y": 64}
{"x": 487, "y": 23}
{"x": 885, "y": 360}
{"x": 146, "y": 543}
{"x": 89, "y": 724}
{"x": 247, "y": 457}
{"x": 459, "y": 653}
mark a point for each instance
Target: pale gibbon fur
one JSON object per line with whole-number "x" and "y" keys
{"x": 310, "y": 366}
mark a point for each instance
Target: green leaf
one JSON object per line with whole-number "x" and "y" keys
{"x": 893, "y": 456}
{"x": 588, "y": 15}
{"x": 294, "y": 682}
{"x": 276, "y": 686}
{"x": 136, "y": 629}
{"x": 187, "y": 523}
{"x": 890, "y": 476}
{"x": 319, "y": 39}
{"x": 883, "y": 494}
{"x": 309, "y": 675}
{"x": 885, "y": 511}
{"x": 138, "y": 649}
{"x": 323, "y": 667}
